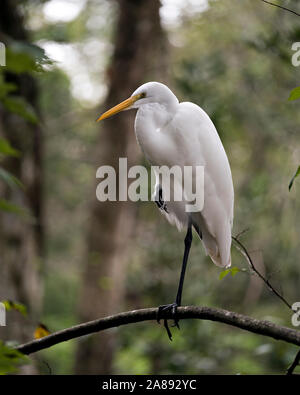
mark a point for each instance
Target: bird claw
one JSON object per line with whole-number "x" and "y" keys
{"x": 173, "y": 309}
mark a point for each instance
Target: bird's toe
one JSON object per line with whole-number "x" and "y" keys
{"x": 168, "y": 308}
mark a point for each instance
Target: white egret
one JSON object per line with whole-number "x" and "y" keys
{"x": 172, "y": 133}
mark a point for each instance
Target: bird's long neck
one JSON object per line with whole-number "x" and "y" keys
{"x": 150, "y": 121}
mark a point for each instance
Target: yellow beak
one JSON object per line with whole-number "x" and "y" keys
{"x": 120, "y": 107}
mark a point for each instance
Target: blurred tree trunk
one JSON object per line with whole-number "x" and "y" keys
{"x": 21, "y": 241}
{"x": 139, "y": 56}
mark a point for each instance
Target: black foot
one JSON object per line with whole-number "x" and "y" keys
{"x": 161, "y": 204}
{"x": 168, "y": 308}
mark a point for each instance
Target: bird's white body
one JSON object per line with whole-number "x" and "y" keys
{"x": 172, "y": 133}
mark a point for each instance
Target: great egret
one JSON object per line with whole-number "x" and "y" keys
{"x": 172, "y": 133}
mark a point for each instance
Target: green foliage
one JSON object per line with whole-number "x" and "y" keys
{"x": 10, "y": 179}
{"x": 22, "y": 57}
{"x": 295, "y": 94}
{"x": 13, "y": 182}
{"x": 7, "y": 149}
{"x": 10, "y": 305}
{"x": 293, "y": 178}
{"x": 6, "y": 88}
{"x": 21, "y": 107}
{"x": 233, "y": 271}
{"x": 12, "y": 208}
{"x": 10, "y": 359}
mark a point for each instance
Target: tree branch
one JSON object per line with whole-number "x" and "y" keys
{"x": 279, "y": 6}
{"x": 260, "y": 327}
{"x": 246, "y": 254}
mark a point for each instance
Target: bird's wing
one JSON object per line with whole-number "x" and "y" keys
{"x": 194, "y": 141}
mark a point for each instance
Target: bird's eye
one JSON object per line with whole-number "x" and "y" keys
{"x": 143, "y": 94}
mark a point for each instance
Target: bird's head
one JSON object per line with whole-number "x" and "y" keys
{"x": 151, "y": 92}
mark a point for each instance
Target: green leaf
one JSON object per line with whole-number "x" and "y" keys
{"x": 22, "y": 212}
{"x": 293, "y": 179}
{"x": 18, "y": 61}
{"x": 6, "y": 88}
{"x": 295, "y": 94}
{"x": 19, "y": 106}
{"x": 233, "y": 270}
{"x": 10, "y": 179}
{"x": 223, "y": 274}
{"x": 10, "y": 305}
{"x": 23, "y": 57}
{"x": 13, "y": 208}
{"x": 10, "y": 359}
{"x": 7, "y": 149}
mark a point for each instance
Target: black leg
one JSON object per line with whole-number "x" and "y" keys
{"x": 173, "y": 306}
{"x": 187, "y": 246}
{"x": 161, "y": 204}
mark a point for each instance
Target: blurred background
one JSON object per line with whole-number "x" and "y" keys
{"x": 66, "y": 258}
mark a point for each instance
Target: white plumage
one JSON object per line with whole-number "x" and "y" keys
{"x": 172, "y": 133}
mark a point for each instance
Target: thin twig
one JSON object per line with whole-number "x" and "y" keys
{"x": 241, "y": 233}
{"x": 244, "y": 251}
{"x": 279, "y": 6}
{"x": 296, "y": 362}
{"x": 260, "y": 327}
{"x": 48, "y": 366}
